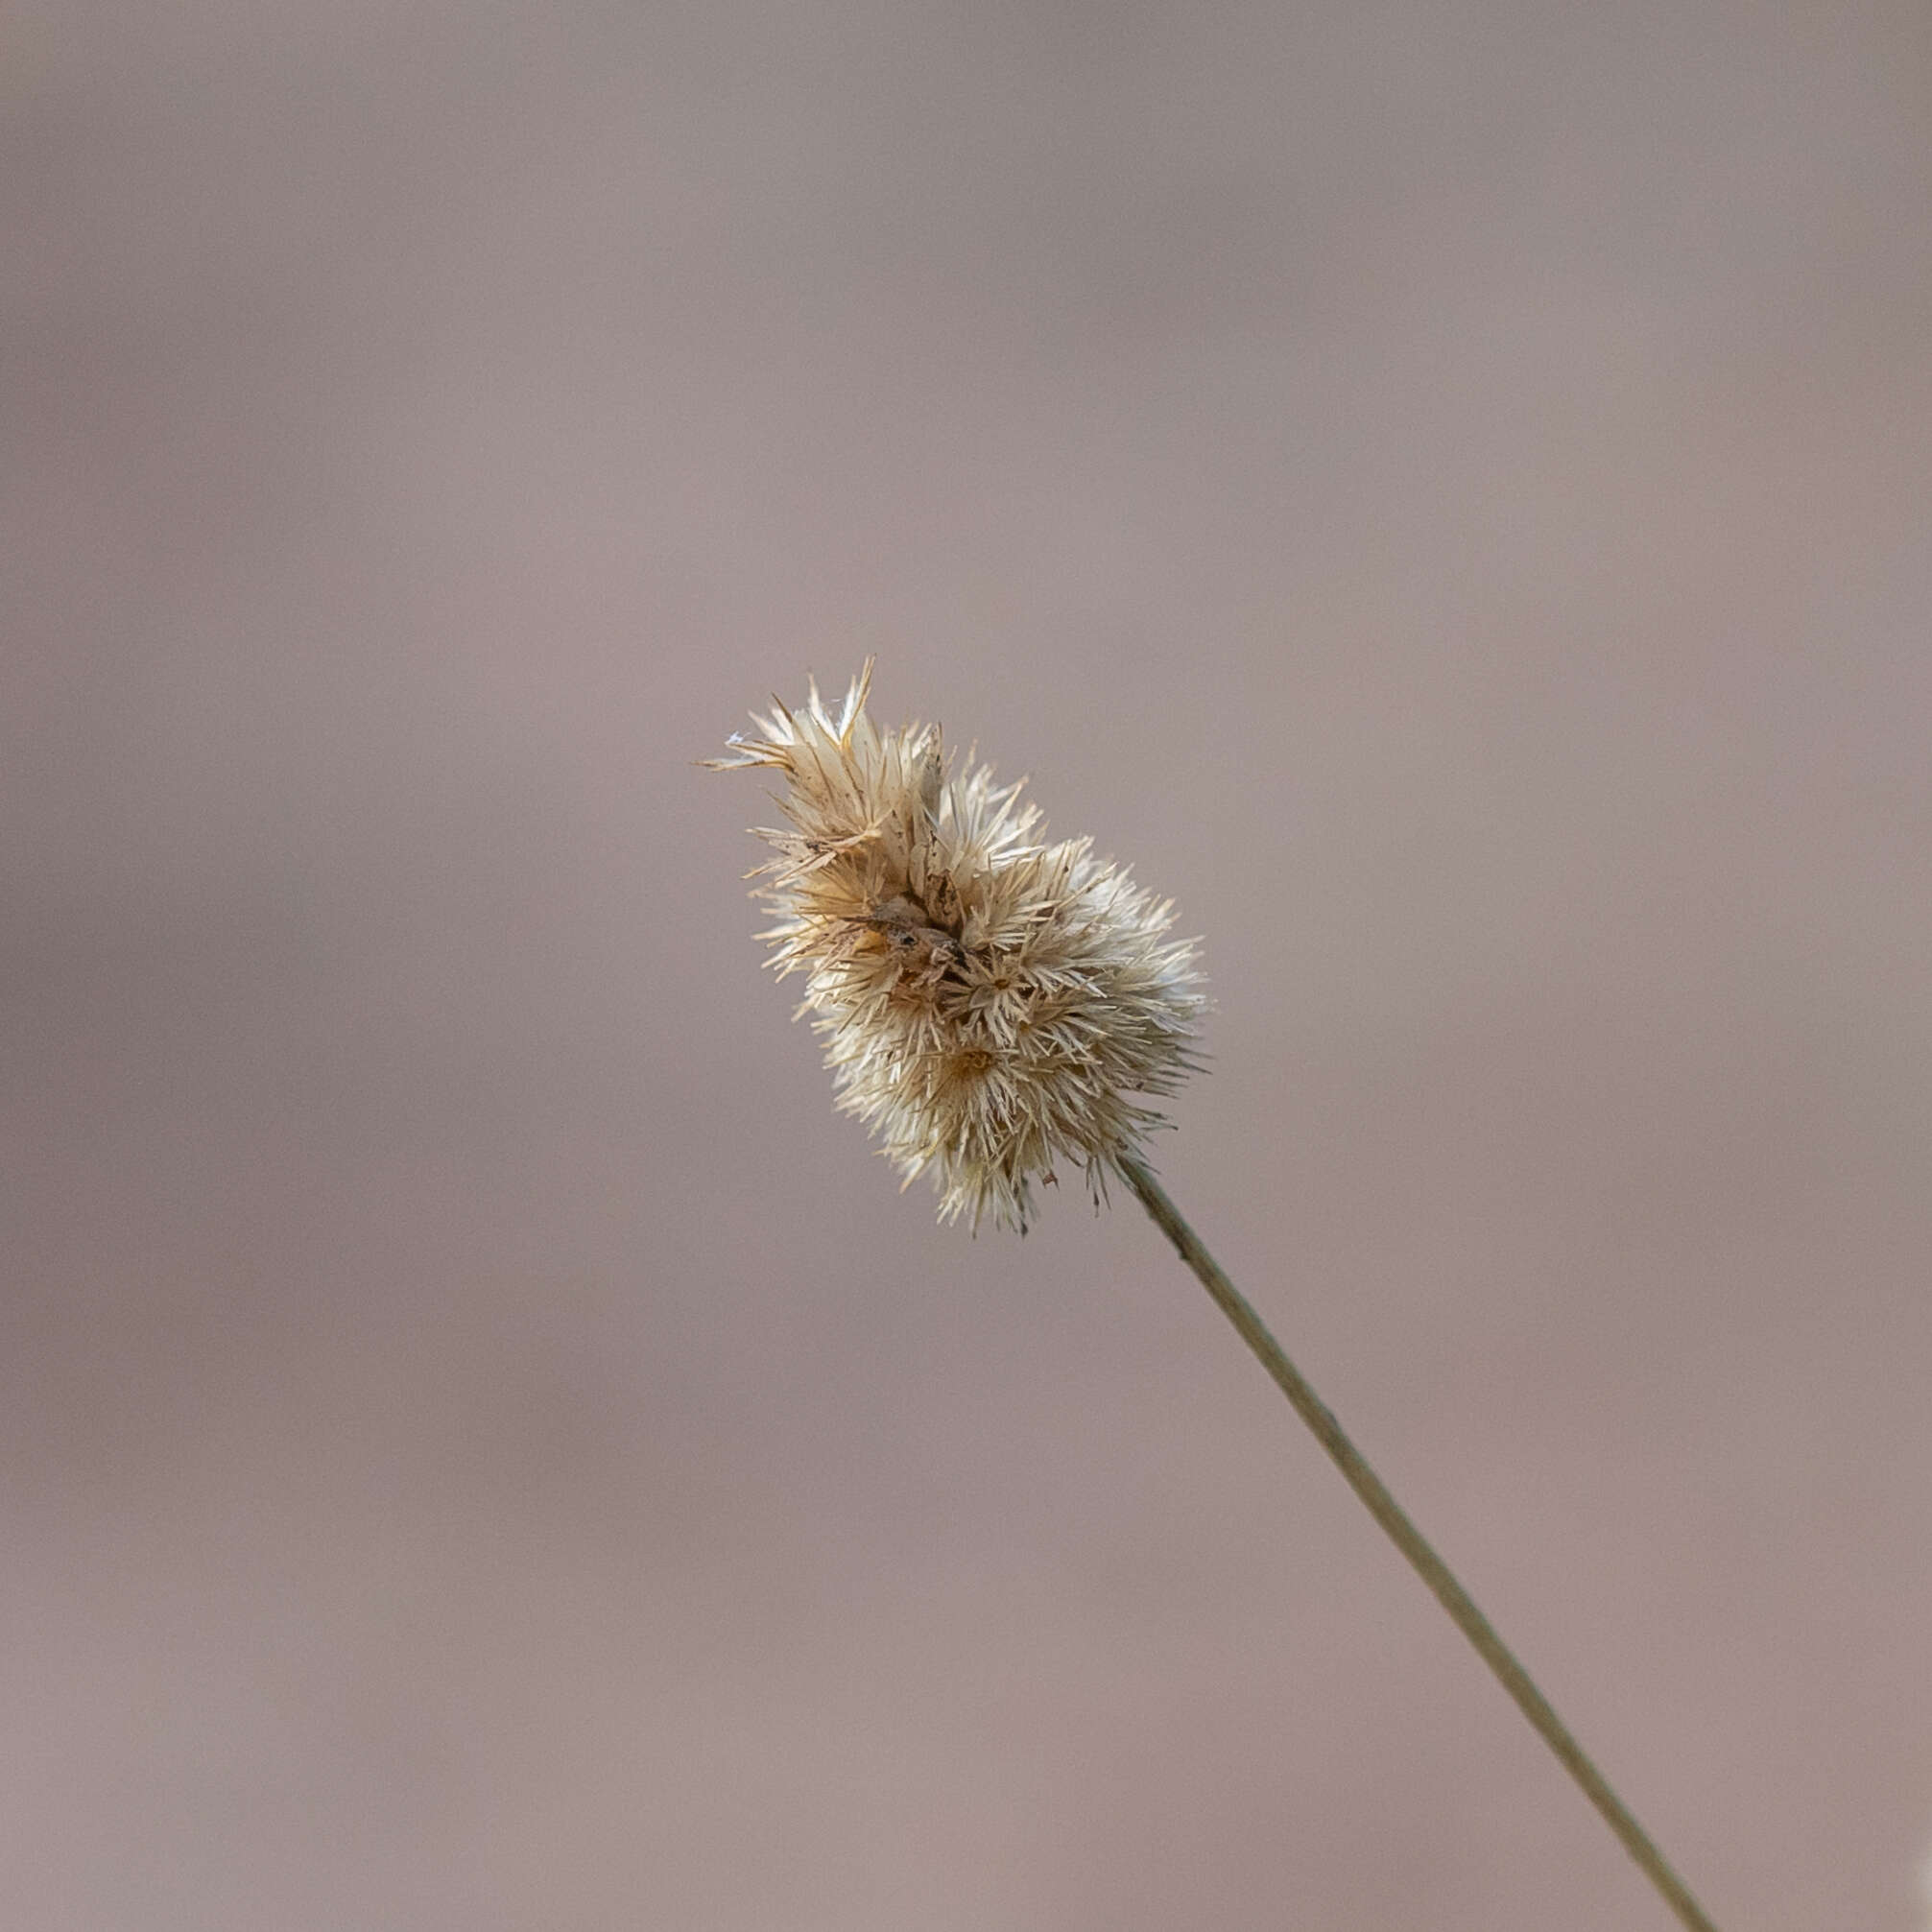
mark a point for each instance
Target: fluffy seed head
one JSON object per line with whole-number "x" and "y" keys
{"x": 990, "y": 1003}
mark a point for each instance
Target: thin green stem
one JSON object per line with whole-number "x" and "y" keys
{"x": 1414, "y": 1545}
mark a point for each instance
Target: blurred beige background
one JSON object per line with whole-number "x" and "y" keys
{"x": 1443, "y": 489}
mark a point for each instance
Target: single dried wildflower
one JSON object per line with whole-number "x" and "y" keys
{"x": 991, "y": 1003}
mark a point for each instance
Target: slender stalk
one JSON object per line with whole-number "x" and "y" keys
{"x": 1414, "y": 1545}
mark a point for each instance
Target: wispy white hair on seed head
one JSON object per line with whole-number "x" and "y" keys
{"x": 990, "y": 1003}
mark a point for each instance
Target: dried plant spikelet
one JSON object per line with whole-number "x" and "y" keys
{"x": 990, "y": 1003}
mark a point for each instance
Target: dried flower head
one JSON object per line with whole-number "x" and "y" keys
{"x": 988, "y": 1002}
